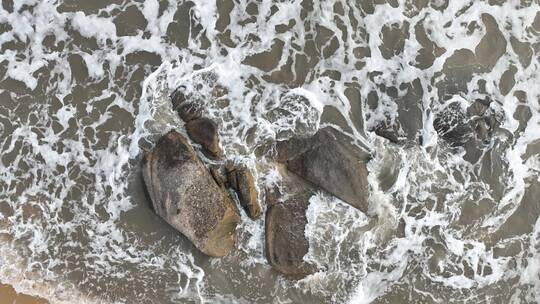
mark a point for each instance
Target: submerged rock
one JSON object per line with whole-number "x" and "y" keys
{"x": 330, "y": 161}
{"x": 185, "y": 195}
{"x": 295, "y": 116}
{"x": 285, "y": 241}
{"x": 188, "y": 110}
{"x": 458, "y": 124}
{"x": 204, "y": 132}
{"x": 242, "y": 181}
{"x": 452, "y": 124}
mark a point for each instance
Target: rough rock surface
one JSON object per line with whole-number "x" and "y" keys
{"x": 187, "y": 110}
{"x": 242, "y": 181}
{"x": 331, "y": 161}
{"x": 458, "y": 125}
{"x": 204, "y": 132}
{"x": 184, "y": 193}
{"x": 285, "y": 241}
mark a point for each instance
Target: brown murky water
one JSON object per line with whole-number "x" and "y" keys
{"x": 83, "y": 85}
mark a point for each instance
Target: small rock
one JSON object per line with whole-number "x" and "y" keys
{"x": 459, "y": 126}
{"x": 204, "y": 132}
{"x": 295, "y": 115}
{"x": 452, "y": 124}
{"x": 187, "y": 197}
{"x": 187, "y": 110}
{"x": 478, "y": 108}
{"x": 242, "y": 181}
{"x": 388, "y": 131}
{"x": 330, "y": 161}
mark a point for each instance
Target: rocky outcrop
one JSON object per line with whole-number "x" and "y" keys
{"x": 185, "y": 195}
{"x": 194, "y": 200}
{"x": 241, "y": 179}
{"x": 285, "y": 241}
{"x": 331, "y": 161}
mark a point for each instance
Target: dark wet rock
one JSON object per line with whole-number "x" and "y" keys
{"x": 452, "y": 124}
{"x": 293, "y": 116}
{"x": 197, "y": 94}
{"x": 492, "y": 46}
{"x": 204, "y": 132}
{"x": 285, "y": 241}
{"x": 185, "y": 195}
{"x": 241, "y": 179}
{"x": 187, "y": 110}
{"x": 459, "y": 126}
{"x": 329, "y": 160}
{"x": 387, "y": 131}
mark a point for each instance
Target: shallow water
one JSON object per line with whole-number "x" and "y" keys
{"x": 84, "y": 90}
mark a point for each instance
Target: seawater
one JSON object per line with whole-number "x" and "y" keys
{"x": 84, "y": 90}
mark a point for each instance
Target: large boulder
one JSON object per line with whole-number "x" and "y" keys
{"x": 331, "y": 161}
{"x": 185, "y": 195}
{"x": 285, "y": 240}
{"x": 241, "y": 179}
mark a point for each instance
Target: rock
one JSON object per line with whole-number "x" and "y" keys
{"x": 186, "y": 196}
{"x": 187, "y": 110}
{"x": 452, "y": 124}
{"x": 285, "y": 241}
{"x": 294, "y": 115}
{"x": 330, "y": 161}
{"x": 204, "y": 132}
{"x": 219, "y": 175}
{"x": 458, "y": 125}
{"x": 242, "y": 181}
{"x": 388, "y": 132}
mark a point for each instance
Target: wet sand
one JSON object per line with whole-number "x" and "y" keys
{"x": 8, "y": 295}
